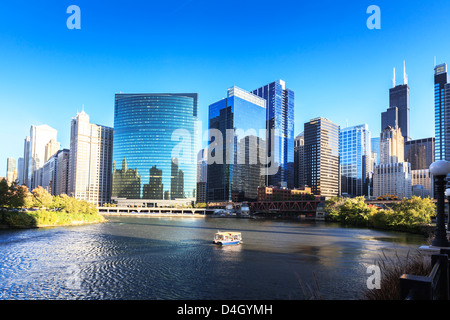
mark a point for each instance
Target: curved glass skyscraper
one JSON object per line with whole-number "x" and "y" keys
{"x": 155, "y": 151}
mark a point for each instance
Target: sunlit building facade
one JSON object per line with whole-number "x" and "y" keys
{"x": 40, "y": 136}
{"x": 90, "y": 160}
{"x": 321, "y": 157}
{"x": 393, "y": 175}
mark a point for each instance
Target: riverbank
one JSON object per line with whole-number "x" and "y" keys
{"x": 45, "y": 218}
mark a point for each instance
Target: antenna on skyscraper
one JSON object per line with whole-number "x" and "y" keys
{"x": 393, "y": 80}
{"x": 405, "y": 76}
{"x": 435, "y": 61}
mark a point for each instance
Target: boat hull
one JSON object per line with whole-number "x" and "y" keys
{"x": 227, "y": 243}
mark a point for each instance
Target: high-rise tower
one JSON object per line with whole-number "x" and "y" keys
{"x": 321, "y": 157}
{"x": 237, "y": 127}
{"x": 441, "y": 118}
{"x": 398, "y": 112}
{"x": 280, "y": 117}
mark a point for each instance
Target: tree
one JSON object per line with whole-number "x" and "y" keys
{"x": 4, "y": 193}
{"x": 18, "y": 196}
{"x": 42, "y": 199}
{"x": 414, "y": 211}
{"x": 200, "y": 205}
{"x": 12, "y": 196}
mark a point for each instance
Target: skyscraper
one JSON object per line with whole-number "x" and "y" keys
{"x": 155, "y": 149}
{"x": 11, "y": 170}
{"x": 90, "y": 160}
{"x": 55, "y": 173}
{"x": 202, "y": 165}
{"x": 20, "y": 171}
{"x": 26, "y": 161}
{"x": 375, "y": 147}
{"x": 51, "y": 148}
{"x": 398, "y": 112}
{"x": 441, "y": 117}
{"x": 321, "y": 157}
{"x": 392, "y": 176}
{"x": 299, "y": 170}
{"x": 237, "y": 150}
{"x": 420, "y": 153}
{"x": 62, "y": 176}
{"x": 355, "y": 153}
{"x": 40, "y": 136}
{"x": 392, "y": 147}
{"x": 280, "y": 117}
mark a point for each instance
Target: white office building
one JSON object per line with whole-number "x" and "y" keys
{"x": 40, "y": 136}
{"x": 90, "y": 160}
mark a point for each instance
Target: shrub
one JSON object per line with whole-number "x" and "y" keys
{"x": 391, "y": 270}
{"x": 408, "y": 215}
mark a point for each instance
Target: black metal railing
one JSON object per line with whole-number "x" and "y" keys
{"x": 435, "y": 286}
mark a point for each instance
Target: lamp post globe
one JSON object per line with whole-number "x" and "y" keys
{"x": 447, "y": 192}
{"x": 439, "y": 170}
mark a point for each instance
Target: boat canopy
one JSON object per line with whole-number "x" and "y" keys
{"x": 228, "y": 233}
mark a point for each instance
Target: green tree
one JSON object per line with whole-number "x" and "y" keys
{"x": 41, "y": 198}
{"x": 413, "y": 211}
{"x": 18, "y": 196}
{"x": 4, "y": 194}
{"x": 200, "y": 205}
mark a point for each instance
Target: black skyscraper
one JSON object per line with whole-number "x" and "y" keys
{"x": 398, "y": 113}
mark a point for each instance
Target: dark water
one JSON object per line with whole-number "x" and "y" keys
{"x": 174, "y": 258}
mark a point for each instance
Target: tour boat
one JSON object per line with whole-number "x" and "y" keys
{"x": 227, "y": 238}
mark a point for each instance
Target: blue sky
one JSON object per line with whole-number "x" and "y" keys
{"x": 338, "y": 68}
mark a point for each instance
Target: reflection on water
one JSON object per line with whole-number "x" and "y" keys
{"x": 173, "y": 258}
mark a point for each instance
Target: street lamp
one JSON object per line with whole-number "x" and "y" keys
{"x": 439, "y": 170}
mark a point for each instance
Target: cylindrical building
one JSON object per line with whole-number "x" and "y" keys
{"x": 155, "y": 149}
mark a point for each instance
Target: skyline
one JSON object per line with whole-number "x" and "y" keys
{"x": 329, "y": 58}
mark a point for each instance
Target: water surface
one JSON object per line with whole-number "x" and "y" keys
{"x": 174, "y": 258}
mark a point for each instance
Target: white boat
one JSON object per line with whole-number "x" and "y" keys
{"x": 227, "y": 238}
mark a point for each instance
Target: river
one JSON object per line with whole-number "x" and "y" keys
{"x": 174, "y": 258}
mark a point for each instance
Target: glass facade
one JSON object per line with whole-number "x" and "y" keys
{"x": 155, "y": 146}
{"x": 440, "y": 88}
{"x": 354, "y": 156}
{"x": 280, "y": 116}
{"x": 375, "y": 147}
{"x": 234, "y": 164}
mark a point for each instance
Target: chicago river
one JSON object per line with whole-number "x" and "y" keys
{"x": 174, "y": 258}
